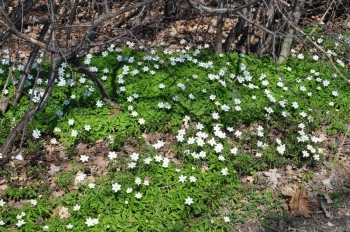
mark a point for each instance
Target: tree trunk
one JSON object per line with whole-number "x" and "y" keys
{"x": 287, "y": 42}
{"x": 219, "y": 29}
{"x": 235, "y": 31}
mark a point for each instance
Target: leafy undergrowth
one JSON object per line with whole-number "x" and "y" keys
{"x": 188, "y": 126}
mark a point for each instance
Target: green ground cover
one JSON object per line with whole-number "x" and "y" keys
{"x": 222, "y": 116}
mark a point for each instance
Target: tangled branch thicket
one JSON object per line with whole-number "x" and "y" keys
{"x": 65, "y": 31}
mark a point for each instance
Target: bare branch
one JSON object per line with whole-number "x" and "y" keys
{"x": 12, "y": 29}
{"x": 90, "y": 34}
{"x": 30, "y": 61}
{"x": 256, "y": 24}
{"x": 96, "y": 80}
{"x": 23, "y": 8}
{"x": 106, "y": 17}
{"x": 31, "y": 112}
{"x": 207, "y": 9}
{"x": 71, "y": 17}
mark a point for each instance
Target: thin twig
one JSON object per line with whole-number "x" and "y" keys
{"x": 342, "y": 143}
{"x": 202, "y": 8}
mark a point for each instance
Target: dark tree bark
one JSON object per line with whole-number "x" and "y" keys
{"x": 219, "y": 29}
{"x": 29, "y": 64}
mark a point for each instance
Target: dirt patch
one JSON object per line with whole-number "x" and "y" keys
{"x": 328, "y": 190}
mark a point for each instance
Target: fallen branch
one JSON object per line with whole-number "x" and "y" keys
{"x": 29, "y": 64}
{"x": 97, "y": 81}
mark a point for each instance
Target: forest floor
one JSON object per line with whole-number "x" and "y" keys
{"x": 325, "y": 206}
{"x": 326, "y": 202}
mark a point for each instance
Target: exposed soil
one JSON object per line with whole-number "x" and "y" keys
{"x": 329, "y": 190}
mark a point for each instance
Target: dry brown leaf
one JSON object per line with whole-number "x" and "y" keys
{"x": 91, "y": 179}
{"x": 175, "y": 161}
{"x": 101, "y": 163}
{"x": 273, "y": 176}
{"x": 328, "y": 198}
{"x": 289, "y": 170}
{"x": 61, "y": 212}
{"x": 81, "y": 148}
{"x": 326, "y": 211}
{"x": 114, "y": 111}
{"x": 54, "y": 169}
{"x": 22, "y": 177}
{"x": 18, "y": 205}
{"x": 288, "y": 191}
{"x": 191, "y": 23}
{"x": 147, "y": 178}
{"x": 204, "y": 168}
{"x": 170, "y": 154}
{"x": 299, "y": 202}
{"x": 250, "y": 179}
{"x": 319, "y": 177}
{"x": 3, "y": 187}
{"x": 10, "y": 203}
{"x": 327, "y": 183}
{"x": 4, "y": 101}
{"x": 59, "y": 193}
{"x": 322, "y": 136}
